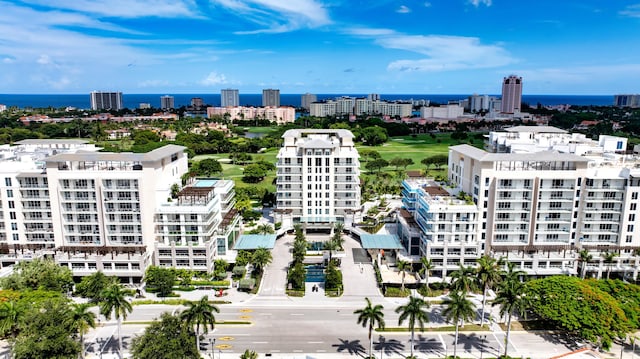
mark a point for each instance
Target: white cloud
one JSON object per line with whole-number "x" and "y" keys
{"x": 443, "y": 53}
{"x": 125, "y": 8}
{"x": 403, "y": 10}
{"x": 276, "y": 16}
{"x": 631, "y": 11}
{"x": 44, "y": 60}
{"x": 154, "y": 83}
{"x": 214, "y": 79}
{"x": 477, "y": 3}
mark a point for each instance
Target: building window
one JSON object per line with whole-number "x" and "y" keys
{"x": 630, "y": 228}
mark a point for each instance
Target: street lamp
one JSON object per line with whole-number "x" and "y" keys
{"x": 482, "y": 345}
{"x": 212, "y": 342}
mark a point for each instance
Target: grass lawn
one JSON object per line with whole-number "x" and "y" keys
{"x": 260, "y": 129}
{"x": 417, "y": 148}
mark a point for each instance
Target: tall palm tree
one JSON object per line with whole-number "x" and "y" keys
{"x": 80, "y": 320}
{"x": 261, "y": 258}
{"x": 403, "y": 268}
{"x": 457, "y": 308}
{"x": 114, "y": 301}
{"x": 265, "y": 229}
{"x": 371, "y": 316}
{"x": 608, "y": 257}
{"x": 200, "y": 312}
{"x": 415, "y": 312}
{"x": 488, "y": 274}
{"x": 338, "y": 228}
{"x": 464, "y": 279}
{"x": 584, "y": 257}
{"x": 427, "y": 268}
{"x": 511, "y": 297}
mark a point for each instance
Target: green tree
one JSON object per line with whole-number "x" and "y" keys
{"x": 457, "y": 308}
{"x": 253, "y": 173}
{"x": 39, "y": 273}
{"x": 427, "y": 267}
{"x": 609, "y": 258}
{"x": 114, "y": 301}
{"x": 209, "y": 166}
{"x": 296, "y": 275}
{"x": 261, "y": 258}
{"x": 46, "y": 333}
{"x": 626, "y": 294}
{"x": 299, "y": 250}
{"x": 464, "y": 279}
{"x": 249, "y": 354}
{"x": 488, "y": 274}
{"x": 160, "y": 279}
{"x": 415, "y": 312}
{"x": 264, "y": 229}
{"x": 584, "y": 257}
{"x": 333, "y": 277}
{"x": 403, "y": 268}
{"x": 93, "y": 285}
{"x": 579, "y": 309}
{"x": 398, "y": 162}
{"x": 81, "y": 319}
{"x": 168, "y": 338}
{"x": 369, "y": 155}
{"x": 376, "y": 165}
{"x": 371, "y": 316}
{"x": 374, "y": 135}
{"x": 511, "y": 297}
{"x": 200, "y": 313}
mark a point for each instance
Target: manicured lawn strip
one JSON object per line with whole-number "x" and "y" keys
{"x": 173, "y": 302}
{"x": 260, "y": 129}
{"x": 217, "y": 323}
{"x": 448, "y": 328}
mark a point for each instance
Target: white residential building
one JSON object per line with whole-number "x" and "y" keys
{"x": 444, "y": 111}
{"x": 437, "y": 224}
{"x": 539, "y": 208}
{"x": 360, "y": 106}
{"x": 318, "y": 179}
{"x": 106, "y": 100}
{"x": 92, "y": 210}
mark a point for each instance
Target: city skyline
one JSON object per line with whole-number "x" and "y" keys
{"x": 317, "y": 46}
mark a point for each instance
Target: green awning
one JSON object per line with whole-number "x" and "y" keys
{"x": 380, "y": 241}
{"x": 255, "y": 241}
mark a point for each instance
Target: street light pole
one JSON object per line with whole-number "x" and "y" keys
{"x": 482, "y": 345}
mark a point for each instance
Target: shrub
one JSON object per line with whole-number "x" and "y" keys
{"x": 396, "y": 292}
{"x": 246, "y": 284}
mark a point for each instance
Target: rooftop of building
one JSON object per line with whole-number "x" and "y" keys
{"x": 39, "y": 141}
{"x": 303, "y": 132}
{"x": 535, "y": 129}
{"x": 151, "y": 156}
{"x": 482, "y": 155}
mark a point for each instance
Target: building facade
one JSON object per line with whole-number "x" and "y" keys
{"x": 106, "y": 100}
{"x": 280, "y": 115}
{"x": 359, "y": 106}
{"x": 167, "y": 102}
{"x": 91, "y": 210}
{"x": 632, "y": 101}
{"x": 318, "y": 177}
{"x": 307, "y": 99}
{"x": 229, "y": 98}
{"x": 270, "y": 98}
{"x": 511, "y": 94}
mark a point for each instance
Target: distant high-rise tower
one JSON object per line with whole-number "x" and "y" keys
{"x": 271, "y": 98}
{"x": 106, "y": 100}
{"x": 229, "y": 98}
{"x": 167, "y": 102}
{"x": 511, "y": 94}
{"x": 196, "y": 102}
{"x": 373, "y": 97}
{"x": 307, "y": 99}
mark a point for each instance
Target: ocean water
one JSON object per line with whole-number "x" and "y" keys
{"x": 81, "y": 101}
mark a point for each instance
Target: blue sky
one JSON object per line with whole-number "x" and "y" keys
{"x": 319, "y": 46}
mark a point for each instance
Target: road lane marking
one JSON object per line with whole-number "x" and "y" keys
{"x": 259, "y": 342}
{"x": 296, "y": 314}
{"x": 315, "y": 342}
{"x": 443, "y": 343}
{"x": 501, "y": 346}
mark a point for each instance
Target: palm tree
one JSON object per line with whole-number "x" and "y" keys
{"x": 249, "y": 354}
{"x": 403, "y": 268}
{"x": 338, "y": 228}
{"x": 371, "y": 316}
{"x": 427, "y": 267}
{"x": 414, "y": 311}
{"x": 464, "y": 279}
{"x": 584, "y": 258}
{"x": 608, "y": 258}
{"x": 458, "y": 309}
{"x": 264, "y": 229}
{"x": 114, "y": 301}
{"x": 80, "y": 320}
{"x": 330, "y": 246}
{"x": 200, "y": 312}
{"x": 511, "y": 297}
{"x": 261, "y": 258}
{"x": 488, "y": 274}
